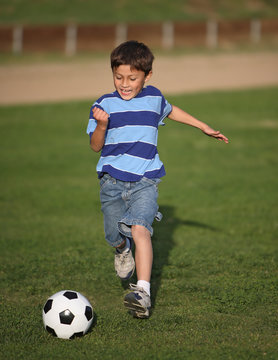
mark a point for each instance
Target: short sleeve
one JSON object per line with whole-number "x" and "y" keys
{"x": 166, "y": 108}
{"x": 92, "y": 124}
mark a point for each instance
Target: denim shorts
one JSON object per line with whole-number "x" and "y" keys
{"x": 125, "y": 204}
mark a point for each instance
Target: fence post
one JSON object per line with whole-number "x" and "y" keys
{"x": 71, "y": 38}
{"x": 255, "y": 31}
{"x": 121, "y": 33}
{"x": 17, "y": 40}
{"x": 212, "y": 34}
{"x": 168, "y": 35}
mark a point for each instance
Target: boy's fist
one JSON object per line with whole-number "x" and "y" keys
{"x": 100, "y": 115}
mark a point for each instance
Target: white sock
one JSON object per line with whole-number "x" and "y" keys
{"x": 126, "y": 248}
{"x": 145, "y": 285}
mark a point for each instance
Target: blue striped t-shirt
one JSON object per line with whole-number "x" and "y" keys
{"x": 130, "y": 148}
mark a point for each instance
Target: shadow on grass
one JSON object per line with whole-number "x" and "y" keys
{"x": 163, "y": 243}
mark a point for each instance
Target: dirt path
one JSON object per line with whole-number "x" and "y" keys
{"x": 190, "y": 73}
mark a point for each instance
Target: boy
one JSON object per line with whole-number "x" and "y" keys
{"x": 124, "y": 126}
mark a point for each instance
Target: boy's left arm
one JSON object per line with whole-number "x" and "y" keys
{"x": 179, "y": 115}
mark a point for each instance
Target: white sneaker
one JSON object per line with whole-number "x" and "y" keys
{"x": 138, "y": 302}
{"x": 124, "y": 264}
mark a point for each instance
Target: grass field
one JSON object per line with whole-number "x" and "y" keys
{"x": 111, "y": 11}
{"x": 214, "y": 285}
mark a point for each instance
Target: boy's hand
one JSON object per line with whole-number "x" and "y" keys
{"x": 101, "y": 117}
{"x": 98, "y": 136}
{"x": 216, "y": 134}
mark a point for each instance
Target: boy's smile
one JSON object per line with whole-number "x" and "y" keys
{"x": 129, "y": 82}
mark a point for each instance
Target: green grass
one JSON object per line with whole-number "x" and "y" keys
{"x": 214, "y": 284}
{"x": 111, "y": 11}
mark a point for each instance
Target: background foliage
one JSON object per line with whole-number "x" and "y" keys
{"x": 111, "y": 11}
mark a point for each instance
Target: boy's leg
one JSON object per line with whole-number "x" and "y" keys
{"x": 143, "y": 252}
{"x": 113, "y": 207}
{"x": 142, "y": 209}
{"x": 138, "y": 301}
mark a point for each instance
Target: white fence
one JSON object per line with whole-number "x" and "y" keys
{"x": 73, "y": 38}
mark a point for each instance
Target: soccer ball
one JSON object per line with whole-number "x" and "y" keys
{"x": 67, "y": 314}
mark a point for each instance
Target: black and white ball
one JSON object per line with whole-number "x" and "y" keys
{"x": 67, "y": 314}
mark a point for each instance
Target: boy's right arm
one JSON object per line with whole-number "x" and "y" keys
{"x": 98, "y": 136}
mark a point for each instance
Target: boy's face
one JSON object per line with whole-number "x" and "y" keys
{"x": 129, "y": 82}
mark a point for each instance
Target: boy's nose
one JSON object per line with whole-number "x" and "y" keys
{"x": 125, "y": 82}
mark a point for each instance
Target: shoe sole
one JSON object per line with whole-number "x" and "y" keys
{"x": 135, "y": 308}
{"x": 129, "y": 275}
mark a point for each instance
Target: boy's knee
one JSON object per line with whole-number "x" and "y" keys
{"x": 139, "y": 231}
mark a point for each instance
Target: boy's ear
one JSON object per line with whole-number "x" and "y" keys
{"x": 147, "y": 77}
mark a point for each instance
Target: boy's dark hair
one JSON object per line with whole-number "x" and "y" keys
{"x": 132, "y": 53}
